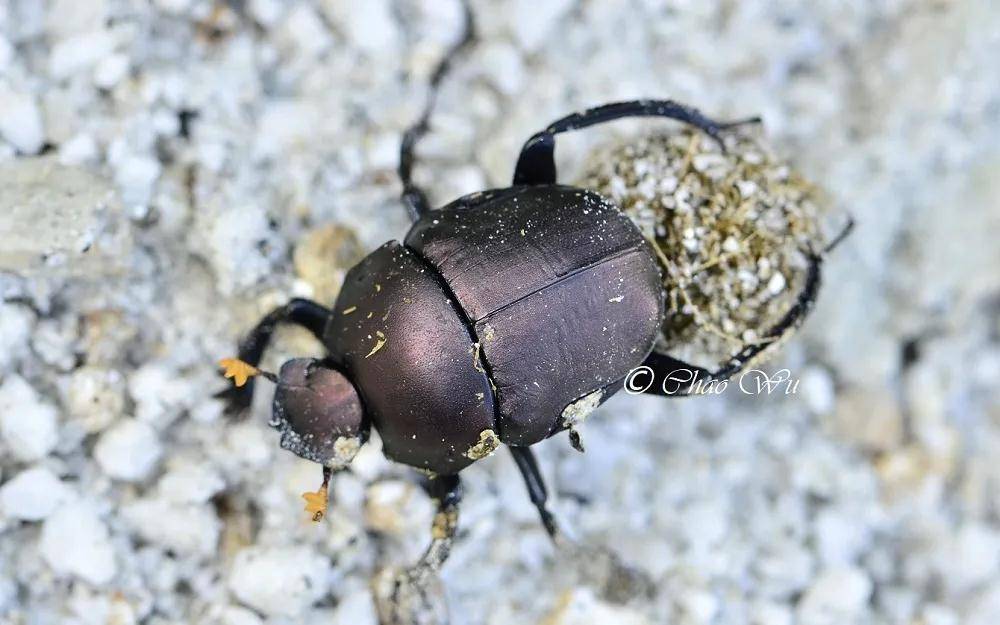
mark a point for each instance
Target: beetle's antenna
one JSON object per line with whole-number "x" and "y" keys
{"x": 241, "y": 371}
{"x": 413, "y": 196}
{"x": 317, "y": 502}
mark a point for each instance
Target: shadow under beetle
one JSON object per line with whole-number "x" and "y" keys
{"x": 502, "y": 318}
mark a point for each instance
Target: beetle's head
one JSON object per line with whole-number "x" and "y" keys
{"x": 318, "y": 413}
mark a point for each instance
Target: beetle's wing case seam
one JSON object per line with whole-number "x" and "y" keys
{"x": 473, "y": 336}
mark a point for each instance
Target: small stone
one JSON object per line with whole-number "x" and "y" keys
{"x": 136, "y": 176}
{"x": 769, "y": 613}
{"x": 840, "y": 538}
{"x": 110, "y": 71}
{"x": 531, "y": 22}
{"x": 579, "y": 606}
{"x": 355, "y": 609}
{"x": 937, "y": 614}
{"x": 867, "y": 417}
{"x": 836, "y": 596}
{"x": 368, "y": 25}
{"x": 323, "y": 256}
{"x": 818, "y": 390}
{"x": 190, "y": 483}
{"x": 79, "y": 53}
{"x": 503, "y": 65}
{"x": 187, "y": 529}
{"x": 78, "y": 150}
{"x": 698, "y": 605}
{"x": 96, "y": 397}
{"x": 15, "y": 331}
{"x": 53, "y": 212}
{"x": 29, "y": 425}
{"x": 21, "y": 121}
{"x": 75, "y": 542}
{"x": 776, "y": 284}
{"x": 33, "y": 494}
{"x": 970, "y": 558}
{"x": 129, "y": 451}
{"x": 235, "y": 615}
{"x": 279, "y": 581}
{"x": 395, "y": 507}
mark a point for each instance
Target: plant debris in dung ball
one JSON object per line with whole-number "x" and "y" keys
{"x": 730, "y": 229}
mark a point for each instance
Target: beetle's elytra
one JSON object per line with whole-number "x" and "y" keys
{"x": 497, "y": 311}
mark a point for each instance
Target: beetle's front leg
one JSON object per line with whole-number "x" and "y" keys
{"x": 301, "y": 312}
{"x": 415, "y": 595}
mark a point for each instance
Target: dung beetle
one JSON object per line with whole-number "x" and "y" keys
{"x": 503, "y": 317}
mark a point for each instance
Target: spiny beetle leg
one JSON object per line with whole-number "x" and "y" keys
{"x": 536, "y": 164}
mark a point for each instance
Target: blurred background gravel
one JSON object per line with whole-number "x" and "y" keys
{"x": 171, "y": 169}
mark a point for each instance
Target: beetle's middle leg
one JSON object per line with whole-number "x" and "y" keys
{"x": 599, "y": 566}
{"x": 535, "y": 483}
{"x": 300, "y": 312}
{"x": 415, "y": 595}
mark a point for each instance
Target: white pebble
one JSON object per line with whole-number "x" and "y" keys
{"x": 580, "y": 607}
{"x": 6, "y": 53}
{"x": 776, "y": 284}
{"x": 135, "y": 177}
{"x": 79, "y": 52}
{"x": 110, "y": 71}
{"x": 279, "y": 581}
{"x": 747, "y": 188}
{"x": 531, "y": 22}
{"x": 841, "y": 538}
{"x": 769, "y": 613}
{"x": 129, "y": 451}
{"x": 29, "y": 426}
{"x": 970, "y": 558}
{"x": 33, "y": 494}
{"x": 15, "y": 330}
{"x": 189, "y": 530}
{"x": 355, "y": 609}
{"x": 190, "y": 483}
{"x": 368, "y": 25}
{"x": 699, "y": 606}
{"x": 78, "y": 150}
{"x": 818, "y": 390}
{"x": 838, "y": 595}
{"x": 75, "y": 542}
{"x": 21, "y": 121}
{"x": 95, "y": 397}
{"x": 235, "y": 615}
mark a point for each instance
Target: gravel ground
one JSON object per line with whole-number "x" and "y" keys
{"x": 171, "y": 169}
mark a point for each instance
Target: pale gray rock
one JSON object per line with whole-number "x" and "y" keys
{"x": 53, "y": 216}
{"x": 75, "y": 542}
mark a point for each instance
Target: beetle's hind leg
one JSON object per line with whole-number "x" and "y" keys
{"x": 301, "y": 312}
{"x": 536, "y": 164}
{"x": 673, "y": 377}
{"x": 415, "y": 595}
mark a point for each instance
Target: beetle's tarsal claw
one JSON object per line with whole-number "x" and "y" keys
{"x": 575, "y": 440}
